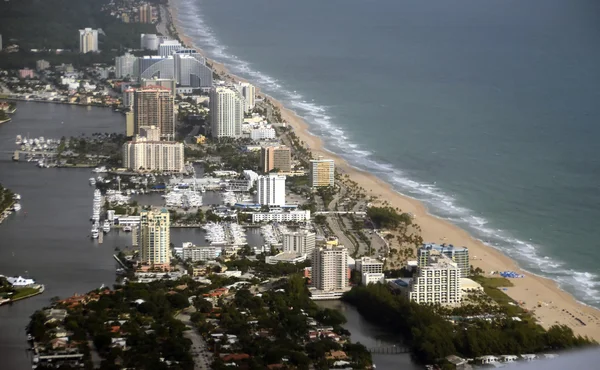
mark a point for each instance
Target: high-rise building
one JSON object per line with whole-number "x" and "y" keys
{"x": 322, "y": 172}
{"x": 149, "y": 41}
{"x": 301, "y": 242}
{"x": 129, "y": 98}
{"x": 150, "y": 133}
{"x": 168, "y": 47}
{"x": 124, "y": 65}
{"x": 270, "y": 190}
{"x": 191, "y": 69}
{"x": 167, "y": 83}
{"x": 129, "y": 127}
{"x": 153, "y": 106}
{"x": 145, "y": 13}
{"x": 330, "y": 268}
{"x": 248, "y": 92}
{"x": 42, "y": 65}
{"x": 226, "y": 112}
{"x": 276, "y": 157}
{"x": 141, "y": 154}
{"x": 369, "y": 265}
{"x": 436, "y": 283}
{"x": 88, "y": 40}
{"x": 459, "y": 255}
{"x": 155, "y": 238}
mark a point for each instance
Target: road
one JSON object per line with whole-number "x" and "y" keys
{"x": 202, "y": 357}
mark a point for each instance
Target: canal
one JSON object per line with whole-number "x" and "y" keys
{"x": 372, "y": 336}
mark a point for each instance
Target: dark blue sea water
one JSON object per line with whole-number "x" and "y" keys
{"x": 486, "y": 110}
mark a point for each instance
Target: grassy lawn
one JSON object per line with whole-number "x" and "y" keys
{"x": 493, "y": 288}
{"x": 24, "y": 292}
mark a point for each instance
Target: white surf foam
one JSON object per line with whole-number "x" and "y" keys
{"x": 585, "y": 285}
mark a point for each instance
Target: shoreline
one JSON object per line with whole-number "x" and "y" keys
{"x": 550, "y": 304}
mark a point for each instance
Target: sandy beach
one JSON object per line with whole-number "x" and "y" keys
{"x": 550, "y": 304}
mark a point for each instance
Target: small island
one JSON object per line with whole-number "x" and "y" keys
{"x": 13, "y": 289}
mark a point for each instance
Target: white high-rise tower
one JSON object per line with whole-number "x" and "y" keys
{"x": 226, "y": 112}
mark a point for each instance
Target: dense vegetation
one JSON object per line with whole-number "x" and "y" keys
{"x": 6, "y": 198}
{"x": 431, "y": 337}
{"x": 388, "y": 217}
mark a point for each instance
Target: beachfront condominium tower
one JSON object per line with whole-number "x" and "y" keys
{"x": 270, "y": 190}
{"x": 153, "y": 106}
{"x": 88, "y": 40}
{"x": 168, "y": 47}
{"x": 300, "y": 242}
{"x": 226, "y": 112}
{"x": 155, "y": 238}
{"x": 276, "y": 158}
{"x": 322, "y": 172}
{"x": 330, "y": 268}
{"x": 143, "y": 154}
{"x": 459, "y": 255}
{"x": 124, "y": 65}
{"x": 248, "y": 92}
{"x": 145, "y": 13}
{"x": 436, "y": 283}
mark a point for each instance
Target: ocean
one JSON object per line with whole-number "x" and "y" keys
{"x": 487, "y": 111}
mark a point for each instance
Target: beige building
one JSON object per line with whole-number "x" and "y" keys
{"x": 167, "y": 83}
{"x": 322, "y": 172}
{"x": 330, "y": 268}
{"x": 129, "y": 125}
{"x": 155, "y": 238}
{"x": 226, "y": 112}
{"x": 145, "y": 13}
{"x": 248, "y": 92}
{"x": 151, "y": 133}
{"x": 142, "y": 154}
{"x": 302, "y": 242}
{"x": 88, "y": 40}
{"x": 436, "y": 283}
{"x": 368, "y": 265}
{"x": 276, "y": 157}
{"x": 153, "y": 106}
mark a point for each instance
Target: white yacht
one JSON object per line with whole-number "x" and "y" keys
{"x": 95, "y": 233}
{"x": 17, "y": 207}
{"x": 127, "y": 228}
{"x": 19, "y": 140}
{"x": 92, "y": 181}
{"x": 17, "y": 197}
{"x": 106, "y": 226}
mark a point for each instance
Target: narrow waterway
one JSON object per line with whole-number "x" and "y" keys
{"x": 372, "y": 336}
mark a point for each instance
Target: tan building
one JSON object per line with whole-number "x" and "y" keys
{"x": 330, "y": 268}
{"x": 276, "y": 157}
{"x": 145, "y": 13}
{"x": 142, "y": 154}
{"x": 151, "y": 133}
{"x": 153, "y": 106}
{"x": 88, "y": 40}
{"x": 155, "y": 238}
{"x": 130, "y": 129}
{"x": 167, "y": 83}
{"x": 322, "y": 172}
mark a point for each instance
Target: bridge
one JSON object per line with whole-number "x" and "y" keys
{"x": 389, "y": 350}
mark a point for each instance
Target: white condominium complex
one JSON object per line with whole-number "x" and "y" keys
{"x": 155, "y": 238}
{"x": 436, "y": 283}
{"x": 226, "y": 112}
{"x": 88, "y": 40}
{"x": 248, "y": 92}
{"x": 301, "y": 242}
{"x": 168, "y": 47}
{"x": 330, "y": 268}
{"x": 153, "y": 106}
{"x": 141, "y": 154}
{"x": 271, "y": 190}
{"x": 459, "y": 255}
{"x": 322, "y": 172}
{"x": 369, "y": 265}
{"x": 124, "y": 65}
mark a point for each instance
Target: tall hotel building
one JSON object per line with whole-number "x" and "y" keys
{"x": 124, "y": 65}
{"x": 154, "y": 238}
{"x": 271, "y": 190}
{"x": 248, "y": 92}
{"x": 330, "y": 268}
{"x": 459, "y": 255}
{"x": 145, "y": 13}
{"x": 436, "y": 283}
{"x": 322, "y": 172}
{"x": 226, "y": 112}
{"x": 301, "y": 242}
{"x": 153, "y": 106}
{"x": 276, "y": 157}
{"x": 88, "y": 40}
{"x": 142, "y": 154}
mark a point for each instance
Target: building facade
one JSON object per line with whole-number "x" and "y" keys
{"x": 155, "y": 238}
{"x": 153, "y": 106}
{"x": 42, "y": 65}
{"x": 368, "y": 265}
{"x": 196, "y": 253}
{"x": 145, "y": 13}
{"x": 270, "y": 190}
{"x": 302, "y": 242}
{"x": 276, "y": 157}
{"x": 291, "y": 216}
{"x": 168, "y": 47}
{"x": 372, "y": 278}
{"x": 322, "y": 172}
{"x": 26, "y": 73}
{"x": 248, "y": 92}
{"x": 191, "y": 69}
{"x": 88, "y": 40}
{"x": 124, "y": 65}
{"x": 436, "y": 283}
{"x": 262, "y": 133}
{"x": 459, "y": 255}
{"x": 226, "y": 112}
{"x": 163, "y": 156}
{"x": 330, "y": 268}
{"x": 149, "y": 41}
